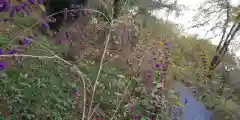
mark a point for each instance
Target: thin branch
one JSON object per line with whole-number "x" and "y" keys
{"x": 100, "y": 67}
{"x": 224, "y": 27}
{"x": 121, "y": 99}
{"x": 32, "y": 56}
{"x": 93, "y": 111}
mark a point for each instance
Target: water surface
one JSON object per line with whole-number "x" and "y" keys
{"x": 193, "y": 109}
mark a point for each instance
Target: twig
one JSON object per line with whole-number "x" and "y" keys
{"x": 26, "y": 30}
{"x": 32, "y": 56}
{"x": 105, "y": 74}
{"x": 100, "y": 67}
{"x": 121, "y": 99}
{"x": 93, "y": 111}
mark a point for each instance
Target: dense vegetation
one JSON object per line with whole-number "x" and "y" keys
{"x": 96, "y": 68}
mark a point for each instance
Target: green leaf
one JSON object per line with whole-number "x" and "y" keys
{"x": 74, "y": 85}
{"x": 144, "y": 118}
{"x": 4, "y": 41}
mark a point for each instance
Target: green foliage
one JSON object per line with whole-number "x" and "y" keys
{"x": 4, "y": 41}
{"x": 36, "y": 88}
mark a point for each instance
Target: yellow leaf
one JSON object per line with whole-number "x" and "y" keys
{"x": 179, "y": 103}
{"x": 161, "y": 43}
{"x": 42, "y": 8}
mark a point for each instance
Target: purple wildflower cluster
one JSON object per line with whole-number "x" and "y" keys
{"x": 45, "y": 26}
{"x": 163, "y": 68}
{"x": 149, "y": 79}
{"x": 160, "y": 68}
{"x": 24, "y": 8}
{"x": 25, "y": 41}
{"x": 165, "y": 61}
{"x": 204, "y": 60}
{"x": 134, "y": 116}
{"x": 4, "y": 5}
{"x": 76, "y": 96}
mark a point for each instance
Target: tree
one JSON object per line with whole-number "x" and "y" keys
{"x": 227, "y": 19}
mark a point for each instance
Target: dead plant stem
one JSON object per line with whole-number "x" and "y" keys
{"x": 100, "y": 69}
{"x": 125, "y": 91}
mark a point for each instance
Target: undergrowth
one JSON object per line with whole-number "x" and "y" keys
{"x": 44, "y": 86}
{"x": 39, "y": 84}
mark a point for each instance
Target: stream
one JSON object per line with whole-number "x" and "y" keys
{"x": 193, "y": 109}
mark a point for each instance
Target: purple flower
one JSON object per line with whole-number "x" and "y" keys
{"x": 157, "y": 65}
{"x": 18, "y": 8}
{"x": 31, "y": 2}
{"x": 45, "y": 25}
{"x": 12, "y": 11}
{"x": 28, "y": 6}
{"x": 28, "y": 14}
{"x": 23, "y": 6}
{"x": 39, "y": 1}
{"x": 30, "y": 36}
{"x": 4, "y": 6}
{"x": 134, "y": 116}
{"x": 1, "y": 52}
{"x": 25, "y": 41}
{"x": 166, "y": 44}
{"x": 13, "y": 51}
{"x": 3, "y": 65}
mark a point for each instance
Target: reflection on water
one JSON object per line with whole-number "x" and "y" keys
{"x": 193, "y": 109}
